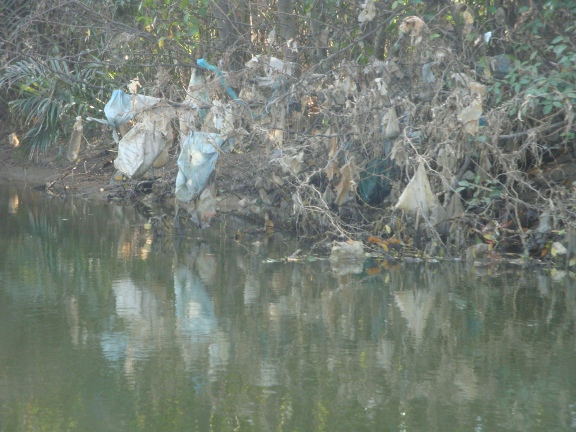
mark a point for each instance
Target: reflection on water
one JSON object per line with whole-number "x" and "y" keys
{"x": 103, "y": 328}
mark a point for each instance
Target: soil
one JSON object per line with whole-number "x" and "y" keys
{"x": 94, "y": 177}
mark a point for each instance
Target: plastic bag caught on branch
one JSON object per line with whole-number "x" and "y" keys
{"x": 418, "y": 194}
{"x": 123, "y": 107}
{"x": 196, "y": 162}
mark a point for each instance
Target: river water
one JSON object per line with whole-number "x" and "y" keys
{"x": 103, "y": 328}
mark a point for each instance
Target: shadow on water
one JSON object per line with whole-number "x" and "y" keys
{"x": 103, "y": 327}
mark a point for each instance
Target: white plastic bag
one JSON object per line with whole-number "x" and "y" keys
{"x": 418, "y": 194}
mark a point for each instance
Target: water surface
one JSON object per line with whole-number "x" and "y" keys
{"x": 103, "y": 328}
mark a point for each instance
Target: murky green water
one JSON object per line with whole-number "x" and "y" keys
{"x": 102, "y": 329}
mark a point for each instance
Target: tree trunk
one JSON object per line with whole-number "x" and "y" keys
{"x": 232, "y": 20}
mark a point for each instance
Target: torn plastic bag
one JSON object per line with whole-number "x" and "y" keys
{"x": 140, "y": 147}
{"x": 197, "y": 98}
{"x": 196, "y": 162}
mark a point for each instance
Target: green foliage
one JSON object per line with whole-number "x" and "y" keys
{"x": 542, "y": 84}
{"x": 46, "y": 97}
{"x": 481, "y": 193}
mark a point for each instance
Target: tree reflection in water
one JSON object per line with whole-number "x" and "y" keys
{"x": 203, "y": 334}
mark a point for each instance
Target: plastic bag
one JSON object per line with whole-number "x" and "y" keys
{"x": 376, "y": 180}
{"x": 75, "y": 140}
{"x": 196, "y": 162}
{"x": 390, "y": 124}
{"x": 418, "y": 194}
{"x": 123, "y": 107}
{"x": 197, "y": 98}
{"x": 140, "y": 147}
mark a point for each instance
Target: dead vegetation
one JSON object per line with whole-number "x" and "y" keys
{"x": 454, "y": 139}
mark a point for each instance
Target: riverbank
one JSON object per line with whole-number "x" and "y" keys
{"x": 239, "y": 190}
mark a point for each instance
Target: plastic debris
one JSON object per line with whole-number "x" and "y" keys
{"x": 413, "y": 26}
{"x": 75, "y": 140}
{"x": 368, "y": 11}
{"x": 142, "y": 145}
{"x": 427, "y": 74}
{"x": 349, "y": 177}
{"x": 390, "y": 124}
{"x": 196, "y": 162}
{"x": 204, "y": 208}
{"x": 197, "y": 98}
{"x": 376, "y": 180}
{"x": 13, "y": 140}
{"x": 207, "y": 66}
{"x": 347, "y": 257}
{"x": 123, "y": 107}
{"x": 418, "y": 194}
{"x": 470, "y": 116}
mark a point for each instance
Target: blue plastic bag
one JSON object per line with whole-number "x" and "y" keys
{"x": 196, "y": 162}
{"x": 118, "y": 109}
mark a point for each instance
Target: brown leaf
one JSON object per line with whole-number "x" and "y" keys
{"x": 374, "y": 240}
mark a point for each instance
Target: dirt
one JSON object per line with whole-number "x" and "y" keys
{"x": 94, "y": 177}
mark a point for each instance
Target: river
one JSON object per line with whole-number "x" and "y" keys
{"x": 105, "y": 328}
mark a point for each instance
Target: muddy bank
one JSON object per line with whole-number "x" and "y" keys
{"x": 245, "y": 193}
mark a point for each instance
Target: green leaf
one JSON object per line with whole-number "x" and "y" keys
{"x": 534, "y": 54}
{"x": 557, "y": 39}
{"x": 547, "y": 109}
{"x": 559, "y": 49}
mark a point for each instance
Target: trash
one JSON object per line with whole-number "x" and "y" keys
{"x": 347, "y": 257}
{"x": 427, "y": 74}
{"x": 376, "y": 180}
{"x": 75, "y": 140}
{"x": 162, "y": 158}
{"x": 470, "y": 116}
{"x": 123, "y": 107}
{"x": 196, "y": 162}
{"x": 207, "y": 66}
{"x": 497, "y": 66}
{"x": 413, "y": 26}
{"x": 205, "y": 208}
{"x": 558, "y": 249}
{"x": 368, "y": 11}
{"x": 418, "y": 194}
{"x": 13, "y": 140}
{"x": 390, "y": 124}
{"x": 292, "y": 164}
{"x": 348, "y": 180}
{"x": 142, "y": 145}
{"x": 545, "y": 225}
{"x": 273, "y": 66}
{"x": 500, "y": 65}
{"x": 197, "y": 98}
